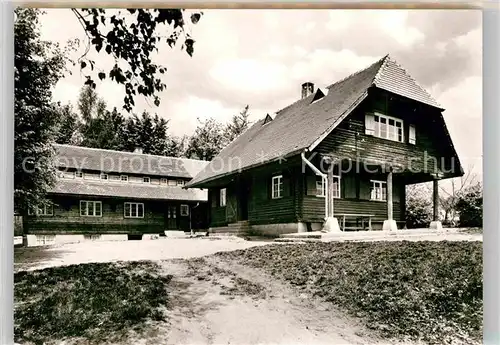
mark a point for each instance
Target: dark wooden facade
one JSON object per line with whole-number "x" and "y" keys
{"x": 348, "y": 142}
{"x": 159, "y": 215}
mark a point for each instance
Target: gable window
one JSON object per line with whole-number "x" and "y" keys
{"x": 124, "y": 178}
{"x": 184, "y": 210}
{"x": 133, "y": 210}
{"x": 104, "y": 176}
{"x": 277, "y": 187}
{"x": 45, "y": 210}
{"x": 78, "y": 174}
{"x": 378, "y": 190}
{"x": 412, "y": 138}
{"x": 222, "y": 199}
{"x": 383, "y": 126}
{"x": 146, "y": 179}
{"x": 90, "y": 208}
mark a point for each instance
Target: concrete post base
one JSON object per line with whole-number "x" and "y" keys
{"x": 389, "y": 225}
{"x": 302, "y": 227}
{"x": 436, "y": 225}
{"x": 331, "y": 225}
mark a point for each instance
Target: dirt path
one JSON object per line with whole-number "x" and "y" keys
{"x": 216, "y": 302}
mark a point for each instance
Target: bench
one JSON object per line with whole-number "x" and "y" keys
{"x": 356, "y": 216}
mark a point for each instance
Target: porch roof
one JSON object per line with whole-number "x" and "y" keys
{"x": 305, "y": 123}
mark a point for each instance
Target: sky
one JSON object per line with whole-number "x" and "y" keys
{"x": 261, "y": 58}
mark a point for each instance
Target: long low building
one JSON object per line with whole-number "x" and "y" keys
{"x": 104, "y": 192}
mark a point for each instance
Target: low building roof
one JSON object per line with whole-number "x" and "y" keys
{"x": 132, "y": 191}
{"x": 84, "y": 158}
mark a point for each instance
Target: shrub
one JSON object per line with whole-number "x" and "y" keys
{"x": 470, "y": 206}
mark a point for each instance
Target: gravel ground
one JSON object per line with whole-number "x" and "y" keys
{"x": 161, "y": 249}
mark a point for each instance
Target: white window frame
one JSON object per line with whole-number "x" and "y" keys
{"x": 184, "y": 210}
{"x": 277, "y": 187}
{"x": 146, "y": 179}
{"x": 412, "y": 135}
{"x": 181, "y": 182}
{"x": 163, "y": 180}
{"x": 78, "y": 174}
{"x": 124, "y": 178}
{"x": 45, "y": 211}
{"x": 90, "y": 204}
{"x": 222, "y": 197}
{"x": 104, "y": 176}
{"x": 374, "y": 127}
{"x": 378, "y": 190}
{"x": 321, "y": 187}
{"x": 131, "y": 206}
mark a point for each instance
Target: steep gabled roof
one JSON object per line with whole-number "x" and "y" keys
{"x": 85, "y": 158}
{"x": 304, "y": 123}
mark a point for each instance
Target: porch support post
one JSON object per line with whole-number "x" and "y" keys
{"x": 390, "y": 223}
{"x": 435, "y": 224}
{"x": 331, "y": 223}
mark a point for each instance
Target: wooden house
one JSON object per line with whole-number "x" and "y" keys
{"x": 104, "y": 192}
{"x": 345, "y": 154}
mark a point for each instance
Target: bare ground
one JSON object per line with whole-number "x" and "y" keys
{"x": 219, "y": 302}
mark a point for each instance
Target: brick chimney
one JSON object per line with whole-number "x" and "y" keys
{"x": 307, "y": 89}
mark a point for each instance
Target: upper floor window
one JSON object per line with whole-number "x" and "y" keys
{"x": 181, "y": 182}
{"x": 412, "y": 138}
{"x": 222, "y": 199}
{"x": 379, "y": 190}
{"x": 124, "y": 178}
{"x": 321, "y": 187}
{"x": 146, "y": 179}
{"x": 78, "y": 174}
{"x": 277, "y": 187}
{"x": 385, "y": 127}
{"x": 90, "y": 208}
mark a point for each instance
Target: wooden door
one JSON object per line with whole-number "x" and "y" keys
{"x": 171, "y": 217}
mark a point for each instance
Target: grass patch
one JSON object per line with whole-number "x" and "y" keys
{"x": 96, "y": 302}
{"x": 421, "y": 291}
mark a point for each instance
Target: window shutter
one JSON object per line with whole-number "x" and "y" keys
{"x": 412, "y": 135}
{"x": 369, "y": 124}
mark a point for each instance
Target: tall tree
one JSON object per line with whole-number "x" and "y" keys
{"x": 69, "y": 125}
{"x": 238, "y": 124}
{"x": 177, "y": 146}
{"x": 131, "y": 37}
{"x": 207, "y": 141}
{"x": 38, "y": 65}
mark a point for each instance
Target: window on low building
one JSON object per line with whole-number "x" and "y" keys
{"x": 181, "y": 182}
{"x": 321, "y": 187}
{"x": 378, "y": 190}
{"x": 45, "y": 210}
{"x": 78, "y": 174}
{"x": 385, "y": 127}
{"x": 146, "y": 179}
{"x": 134, "y": 210}
{"x": 222, "y": 199}
{"x": 90, "y": 208}
{"x": 184, "y": 210}
{"x": 124, "y": 178}
{"x": 114, "y": 178}
{"x": 104, "y": 176}
{"x": 277, "y": 187}
{"x": 163, "y": 180}
{"x": 412, "y": 138}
